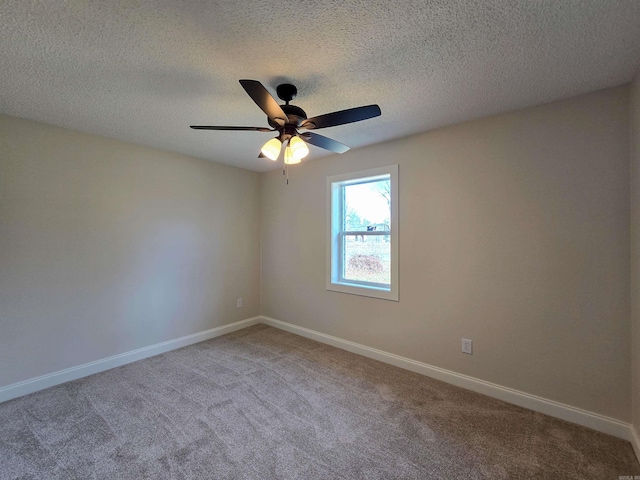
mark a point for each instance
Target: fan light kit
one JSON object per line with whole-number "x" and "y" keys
{"x": 287, "y": 119}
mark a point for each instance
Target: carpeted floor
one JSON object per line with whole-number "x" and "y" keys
{"x": 262, "y": 403}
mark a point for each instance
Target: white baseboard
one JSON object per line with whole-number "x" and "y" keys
{"x": 585, "y": 418}
{"x": 45, "y": 381}
{"x": 635, "y": 441}
{"x": 607, "y": 425}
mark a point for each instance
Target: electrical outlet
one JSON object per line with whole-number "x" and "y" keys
{"x": 239, "y": 303}
{"x": 467, "y": 346}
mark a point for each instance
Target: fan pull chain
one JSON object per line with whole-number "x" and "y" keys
{"x": 285, "y": 171}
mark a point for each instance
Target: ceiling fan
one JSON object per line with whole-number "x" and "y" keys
{"x": 288, "y": 119}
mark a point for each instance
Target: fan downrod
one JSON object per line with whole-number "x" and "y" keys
{"x": 286, "y": 92}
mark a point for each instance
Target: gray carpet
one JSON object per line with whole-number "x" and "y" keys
{"x": 262, "y": 403}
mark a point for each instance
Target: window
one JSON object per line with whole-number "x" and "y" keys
{"x": 362, "y": 230}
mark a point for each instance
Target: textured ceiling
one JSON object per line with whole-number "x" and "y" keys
{"x": 143, "y": 71}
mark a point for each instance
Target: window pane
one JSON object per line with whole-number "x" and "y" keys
{"x": 362, "y": 233}
{"x": 367, "y": 258}
{"x": 367, "y": 206}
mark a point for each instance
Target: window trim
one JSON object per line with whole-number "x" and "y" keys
{"x": 334, "y": 231}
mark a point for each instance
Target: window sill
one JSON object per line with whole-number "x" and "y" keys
{"x": 363, "y": 291}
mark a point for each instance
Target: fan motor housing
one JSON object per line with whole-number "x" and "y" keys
{"x": 295, "y": 114}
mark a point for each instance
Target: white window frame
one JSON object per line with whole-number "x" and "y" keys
{"x": 336, "y": 232}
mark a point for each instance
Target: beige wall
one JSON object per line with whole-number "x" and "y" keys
{"x": 635, "y": 250}
{"x": 107, "y": 247}
{"x": 514, "y": 232}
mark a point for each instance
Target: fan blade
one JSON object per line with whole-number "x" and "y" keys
{"x": 265, "y": 101}
{"x": 324, "y": 142}
{"x": 342, "y": 117}
{"x": 238, "y": 129}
